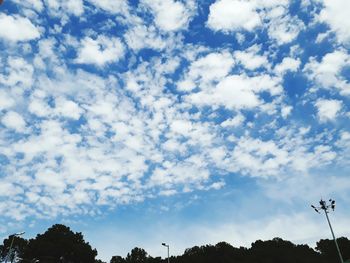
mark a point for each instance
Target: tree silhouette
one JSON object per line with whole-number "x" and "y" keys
{"x": 137, "y": 255}
{"x": 18, "y": 246}
{"x": 329, "y": 252}
{"x": 117, "y": 259}
{"x": 278, "y": 250}
{"x": 60, "y": 244}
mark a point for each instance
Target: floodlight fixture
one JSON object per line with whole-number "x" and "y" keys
{"x": 167, "y": 246}
{"x": 326, "y": 208}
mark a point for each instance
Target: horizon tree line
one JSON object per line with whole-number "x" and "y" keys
{"x": 59, "y": 244}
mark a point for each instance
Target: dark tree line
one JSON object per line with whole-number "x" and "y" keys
{"x": 57, "y": 244}
{"x": 276, "y": 250}
{"x": 61, "y": 245}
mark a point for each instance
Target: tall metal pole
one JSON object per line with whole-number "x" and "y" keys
{"x": 167, "y": 246}
{"x": 168, "y": 255}
{"x": 335, "y": 240}
{"x": 13, "y": 238}
{"x": 9, "y": 253}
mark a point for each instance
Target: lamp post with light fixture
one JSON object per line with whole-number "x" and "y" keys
{"x": 326, "y": 207}
{"x": 167, "y": 246}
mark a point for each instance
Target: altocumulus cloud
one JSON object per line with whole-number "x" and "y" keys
{"x": 107, "y": 104}
{"x": 17, "y": 28}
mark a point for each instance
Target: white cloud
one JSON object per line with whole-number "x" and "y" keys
{"x": 328, "y": 72}
{"x": 291, "y": 152}
{"x": 212, "y": 67}
{"x": 14, "y": 121}
{"x": 181, "y": 127}
{"x": 282, "y": 27}
{"x": 259, "y": 158}
{"x": 327, "y": 110}
{"x": 39, "y": 108}
{"x": 6, "y": 101}
{"x": 237, "y": 92}
{"x": 185, "y": 173}
{"x": 169, "y": 192}
{"x": 47, "y": 48}
{"x": 57, "y": 7}
{"x": 232, "y": 15}
{"x": 68, "y": 108}
{"x": 250, "y": 59}
{"x": 20, "y": 73}
{"x": 286, "y": 111}
{"x": 233, "y": 122}
{"x": 114, "y": 7}
{"x": 141, "y": 36}
{"x": 322, "y": 36}
{"x": 343, "y": 143}
{"x": 100, "y": 51}
{"x": 287, "y": 64}
{"x": 335, "y": 13}
{"x": 35, "y": 4}
{"x": 170, "y": 15}
{"x": 38, "y": 104}
{"x": 139, "y": 137}
{"x": 16, "y": 28}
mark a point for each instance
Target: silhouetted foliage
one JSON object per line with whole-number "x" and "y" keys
{"x": 221, "y": 253}
{"x": 117, "y": 259}
{"x": 18, "y": 246}
{"x": 137, "y": 255}
{"x": 154, "y": 260}
{"x": 59, "y": 244}
{"x": 278, "y": 250}
{"x": 329, "y": 252}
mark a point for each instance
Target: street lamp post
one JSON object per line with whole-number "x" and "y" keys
{"x": 13, "y": 238}
{"x": 163, "y": 244}
{"x": 325, "y": 208}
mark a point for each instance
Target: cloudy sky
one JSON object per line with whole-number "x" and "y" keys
{"x": 187, "y": 122}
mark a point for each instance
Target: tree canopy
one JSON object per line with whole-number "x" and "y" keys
{"x": 57, "y": 244}
{"x": 276, "y": 250}
{"x": 60, "y": 244}
{"x": 329, "y": 251}
{"x": 18, "y": 246}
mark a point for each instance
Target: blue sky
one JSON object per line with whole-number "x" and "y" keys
{"x": 186, "y": 122}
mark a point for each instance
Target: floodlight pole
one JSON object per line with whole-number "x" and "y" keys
{"x": 167, "y": 246}
{"x": 325, "y": 208}
{"x": 10, "y": 250}
{"x": 335, "y": 240}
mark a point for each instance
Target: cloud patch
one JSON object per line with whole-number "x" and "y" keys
{"x": 335, "y": 14}
{"x": 237, "y": 92}
{"x": 14, "y": 121}
{"x": 328, "y": 73}
{"x": 232, "y": 15}
{"x": 16, "y": 28}
{"x": 328, "y": 110}
{"x": 100, "y": 51}
{"x": 170, "y": 15}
